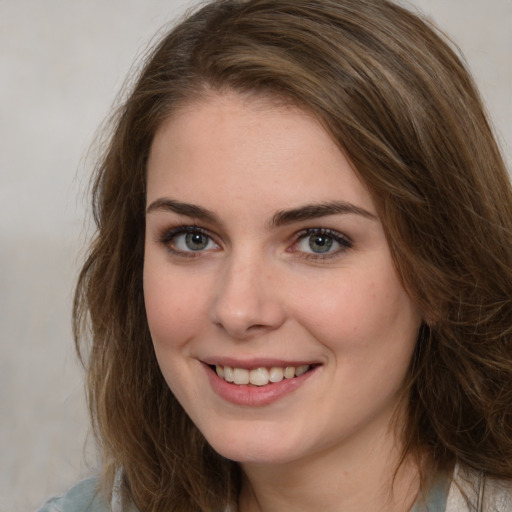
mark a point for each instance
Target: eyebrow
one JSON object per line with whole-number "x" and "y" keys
{"x": 314, "y": 211}
{"x": 186, "y": 209}
{"x": 281, "y": 218}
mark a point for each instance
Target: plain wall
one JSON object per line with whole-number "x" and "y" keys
{"x": 61, "y": 65}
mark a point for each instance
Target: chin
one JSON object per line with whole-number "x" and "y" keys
{"x": 247, "y": 454}
{"x": 254, "y": 447}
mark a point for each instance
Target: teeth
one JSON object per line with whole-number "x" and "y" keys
{"x": 301, "y": 370}
{"x": 240, "y": 376}
{"x": 289, "y": 372}
{"x": 276, "y": 375}
{"x": 260, "y": 376}
{"x": 228, "y": 374}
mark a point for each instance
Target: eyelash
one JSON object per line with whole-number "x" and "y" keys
{"x": 344, "y": 242}
{"x": 167, "y": 237}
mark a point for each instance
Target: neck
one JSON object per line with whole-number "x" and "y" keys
{"x": 364, "y": 478}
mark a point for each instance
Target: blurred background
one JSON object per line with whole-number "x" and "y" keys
{"x": 61, "y": 65}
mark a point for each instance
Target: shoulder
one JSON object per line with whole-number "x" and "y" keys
{"x": 83, "y": 497}
{"x": 497, "y": 495}
{"x": 483, "y": 493}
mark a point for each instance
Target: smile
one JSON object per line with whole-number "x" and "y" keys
{"x": 260, "y": 376}
{"x": 259, "y": 382}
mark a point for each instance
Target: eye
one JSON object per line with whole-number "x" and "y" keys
{"x": 188, "y": 239}
{"x": 320, "y": 242}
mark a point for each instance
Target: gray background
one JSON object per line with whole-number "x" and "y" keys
{"x": 61, "y": 65}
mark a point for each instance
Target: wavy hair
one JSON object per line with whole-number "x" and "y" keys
{"x": 396, "y": 96}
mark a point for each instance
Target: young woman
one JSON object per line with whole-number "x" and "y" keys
{"x": 299, "y": 293}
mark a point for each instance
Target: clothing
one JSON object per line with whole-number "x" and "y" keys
{"x": 445, "y": 495}
{"x": 83, "y": 497}
{"x": 436, "y": 495}
{"x": 487, "y": 494}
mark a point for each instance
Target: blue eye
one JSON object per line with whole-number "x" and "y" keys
{"x": 188, "y": 239}
{"x": 321, "y": 242}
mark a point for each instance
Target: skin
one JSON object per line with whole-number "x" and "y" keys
{"x": 258, "y": 289}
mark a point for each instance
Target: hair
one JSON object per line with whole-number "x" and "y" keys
{"x": 398, "y": 100}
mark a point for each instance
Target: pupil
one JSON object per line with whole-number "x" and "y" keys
{"x": 320, "y": 243}
{"x": 196, "y": 241}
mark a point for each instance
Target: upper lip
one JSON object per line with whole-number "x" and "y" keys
{"x": 250, "y": 364}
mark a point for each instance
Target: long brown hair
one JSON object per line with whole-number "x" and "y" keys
{"x": 401, "y": 104}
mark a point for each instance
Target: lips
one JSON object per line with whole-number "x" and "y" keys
{"x": 259, "y": 383}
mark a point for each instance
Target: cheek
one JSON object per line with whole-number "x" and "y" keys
{"x": 363, "y": 312}
{"x": 174, "y": 309}
{"x": 174, "y": 306}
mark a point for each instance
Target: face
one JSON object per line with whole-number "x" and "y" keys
{"x": 276, "y": 314}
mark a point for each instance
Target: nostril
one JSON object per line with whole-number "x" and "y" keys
{"x": 256, "y": 327}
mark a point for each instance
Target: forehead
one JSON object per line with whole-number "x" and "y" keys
{"x": 234, "y": 144}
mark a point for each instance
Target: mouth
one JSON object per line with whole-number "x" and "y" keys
{"x": 260, "y": 382}
{"x": 261, "y": 376}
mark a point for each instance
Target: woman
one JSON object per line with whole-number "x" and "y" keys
{"x": 299, "y": 292}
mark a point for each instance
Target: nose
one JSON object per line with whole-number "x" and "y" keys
{"x": 247, "y": 298}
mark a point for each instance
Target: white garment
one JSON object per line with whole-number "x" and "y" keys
{"x": 469, "y": 492}
{"x": 472, "y": 492}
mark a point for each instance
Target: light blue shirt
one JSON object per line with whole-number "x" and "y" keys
{"x": 84, "y": 497}
{"x": 435, "y": 497}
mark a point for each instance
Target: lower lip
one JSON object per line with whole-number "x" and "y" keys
{"x": 255, "y": 396}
